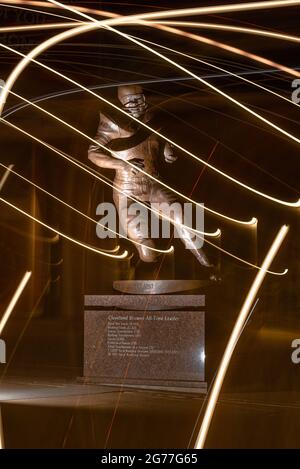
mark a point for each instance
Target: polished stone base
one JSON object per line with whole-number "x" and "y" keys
{"x": 145, "y": 347}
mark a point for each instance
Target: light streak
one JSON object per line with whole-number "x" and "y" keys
{"x": 234, "y": 50}
{"x": 254, "y": 266}
{"x": 49, "y": 5}
{"x": 180, "y": 12}
{"x": 242, "y": 317}
{"x": 164, "y": 251}
{"x": 133, "y": 18}
{"x": 38, "y": 27}
{"x": 63, "y": 235}
{"x": 73, "y": 161}
{"x": 227, "y": 72}
{"x": 72, "y": 22}
{"x": 262, "y": 272}
{"x": 43, "y": 239}
{"x": 230, "y": 98}
{"x": 215, "y": 9}
{"x": 5, "y": 175}
{"x": 182, "y": 23}
{"x": 157, "y": 25}
{"x": 214, "y": 234}
{"x": 53, "y": 40}
{"x": 35, "y": 11}
{"x": 188, "y": 24}
{"x": 30, "y": 57}
{"x": 82, "y": 167}
{"x": 198, "y": 10}
{"x": 225, "y": 27}
{"x": 292, "y": 204}
{"x": 14, "y": 300}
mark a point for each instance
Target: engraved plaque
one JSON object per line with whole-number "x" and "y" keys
{"x": 155, "y": 348}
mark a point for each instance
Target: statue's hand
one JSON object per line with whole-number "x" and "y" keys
{"x": 169, "y": 153}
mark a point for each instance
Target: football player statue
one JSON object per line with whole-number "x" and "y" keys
{"x": 130, "y": 141}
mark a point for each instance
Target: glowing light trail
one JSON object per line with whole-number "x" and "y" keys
{"x": 226, "y": 27}
{"x": 73, "y": 161}
{"x": 32, "y": 10}
{"x": 75, "y": 241}
{"x": 164, "y": 251}
{"x": 227, "y": 72}
{"x": 133, "y": 18}
{"x": 3, "y": 323}
{"x": 188, "y": 24}
{"x": 105, "y": 23}
{"x": 73, "y": 23}
{"x": 234, "y": 50}
{"x": 14, "y": 300}
{"x": 238, "y": 327}
{"x": 28, "y": 58}
{"x": 235, "y": 7}
{"x": 38, "y": 27}
{"x": 215, "y": 9}
{"x": 214, "y": 234}
{"x": 5, "y": 175}
{"x": 225, "y": 95}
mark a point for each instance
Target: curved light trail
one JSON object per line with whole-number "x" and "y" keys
{"x": 251, "y": 222}
{"x": 17, "y": 5}
{"x": 163, "y": 251}
{"x": 61, "y": 121}
{"x": 14, "y": 300}
{"x": 88, "y": 26}
{"x": 222, "y": 93}
{"x": 227, "y": 72}
{"x": 263, "y": 270}
{"x": 63, "y": 235}
{"x": 140, "y": 19}
{"x": 188, "y": 24}
{"x": 228, "y": 48}
{"x": 226, "y": 27}
{"x": 105, "y": 23}
{"x": 36, "y": 51}
{"x": 37, "y": 27}
{"x": 234, "y": 7}
{"x": 234, "y": 337}
{"x": 73, "y": 161}
{"x": 5, "y": 176}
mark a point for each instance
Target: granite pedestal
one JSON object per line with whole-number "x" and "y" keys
{"x": 151, "y": 341}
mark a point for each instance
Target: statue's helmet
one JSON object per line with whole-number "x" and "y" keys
{"x": 133, "y": 99}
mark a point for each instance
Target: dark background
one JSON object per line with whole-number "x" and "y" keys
{"x": 44, "y": 335}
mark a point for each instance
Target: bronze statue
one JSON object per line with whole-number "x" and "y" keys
{"x": 132, "y": 142}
